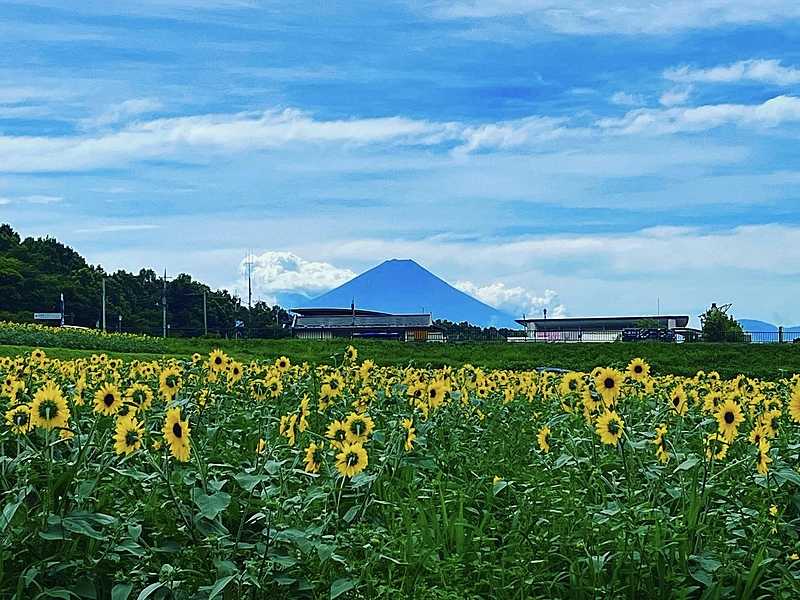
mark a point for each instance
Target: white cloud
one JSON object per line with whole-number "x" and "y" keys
{"x": 771, "y": 113}
{"x": 623, "y": 16}
{"x": 276, "y": 273}
{"x": 5, "y": 201}
{"x": 244, "y": 131}
{"x": 37, "y": 199}
{"x": 626, "y": 99}
{"x": 765, "y": 71}
{"x": 675, "y": 96}
{"x": 124, "y": 111}
{"x": 513, "y": 300}
{"x": 509, "y": 134}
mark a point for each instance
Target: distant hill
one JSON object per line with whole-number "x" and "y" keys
{"x": 754, "y": 325}
{"x": 404, "y": 287}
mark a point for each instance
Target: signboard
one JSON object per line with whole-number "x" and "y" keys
{"x": 47, "y": 316}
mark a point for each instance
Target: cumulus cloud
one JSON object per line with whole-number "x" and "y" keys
{"x": 510, "y": 133}
{"x": 765, "y": 71}
{"x": 278, "y": 273}
{"x": 514, "y": 300}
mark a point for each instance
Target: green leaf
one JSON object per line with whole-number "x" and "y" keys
{"x": 499, "y": 487}
{"x": 8, "y": 514}
{"x": 351, "y": 514}
{"x": 219, "y": 585}
{"x": 687, "y": 464}
{"x": 248, "y": 482}
{"x": 148, "y": 591}
{"x": 85, "y": 588}
{"x": 121, "y": 591}
{"x": 210, "y": 506}
{"x": 340, "y": 586}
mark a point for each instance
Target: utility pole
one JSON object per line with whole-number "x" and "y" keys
{"x": 164, "y": 306}
{"x": 249, "y": 265}
{"x": 104, "y": 303}
{"x": 205, "y": 314}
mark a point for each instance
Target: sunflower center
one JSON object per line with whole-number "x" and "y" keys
{"x": 613, "y": 427}
{"x": 218, "y": 360}
{"x": 609, "y": 383}
{"x": 432, "y": 394}
{"x": 352, "y": 459}
{"x": 108, "y": 400}
{"x": 131, "y": 438}
{"x": 21, "y": 418}
{"x": 675, "y": 401}
{"x": 333, "y": 384}
{"x": 729, "y": 417}
{"x": 177, "y": 430}
{"x": 340, "y": 435}
{"x": 638, "y": 369}
{"x": 48, "y": 410}
{"x": 358, "y": 427}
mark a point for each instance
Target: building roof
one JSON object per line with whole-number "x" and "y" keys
{"x": 599, "y": 323}
{"x": 344, "y": 319}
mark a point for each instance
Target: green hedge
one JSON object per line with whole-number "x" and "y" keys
{"x": 16, "y": 334}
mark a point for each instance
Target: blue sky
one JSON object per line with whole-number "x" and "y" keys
{"x": 593, "y": 158}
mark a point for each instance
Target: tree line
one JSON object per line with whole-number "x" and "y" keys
{"x": 34, "y": 272}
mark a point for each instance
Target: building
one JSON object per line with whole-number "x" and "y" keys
{"x": 327, "y": 323}
{"x": 591, "y": 329}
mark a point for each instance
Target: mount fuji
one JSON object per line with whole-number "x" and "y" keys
{"x": 404, "y": 287}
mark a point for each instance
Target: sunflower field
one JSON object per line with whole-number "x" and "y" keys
{"x": 208, "y": 478}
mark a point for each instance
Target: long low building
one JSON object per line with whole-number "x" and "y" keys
{"x": 591, "y": 329}
{"x": 327, "y": 323}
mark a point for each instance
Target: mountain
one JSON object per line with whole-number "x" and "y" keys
{"x": 754, "y": 325}
{"x": 404, "y": 287}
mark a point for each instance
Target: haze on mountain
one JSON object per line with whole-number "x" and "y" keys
{"x": 404, "y": 287}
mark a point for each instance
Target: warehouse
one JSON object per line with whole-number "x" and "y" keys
{"x": 592, "y": 329}
{"x": 327, "y": 323}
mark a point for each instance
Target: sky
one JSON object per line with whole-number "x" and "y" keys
{"x": 589, "y": 157}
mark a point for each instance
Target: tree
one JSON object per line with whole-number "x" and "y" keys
{"x": 719, "y": 326}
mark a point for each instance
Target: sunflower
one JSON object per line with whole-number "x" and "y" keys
{"x": 757, "y": 434}
{"x": 762, "y": 457}
{"x": 661, "y": 447}
{"x": 408, "y": 425}
{"x": 139, "y": 396}
{"x": 571, "y": 383}
{"x": 287, "y": 427}
{"x": 543, "y": 438}
{"x": 331, "y": 386}
{"x": 217, "y": 361}
{"x": 591, "y": 401}
{"x": 274, "y": 387}
{"x": 128, "y": 436}
{"x": 770, "y": 422}
{"x": 729, "y": 417}
{"x": 107, "y": 399}
{"x": 258, "y": 390}
{"x": 358, "y": 428}
{"x": 638, "y": 369}
{"x": 436, "y": 394}
{"x": 49, "y": 408}
{"x": 352, "y": 459}
{"x": 716, "y": 446}
{"x": 176, "y": 434}
{"x": 337, "y": 434}
{"x": 315, "y": 456}
{"x": 610, "y": 427}
{"x": 608, "y": 382}
{"x": 302, "y": 413}
{"x": 235, "y": 371}
{"x": 351, "y": 354}
{"x": 677, "y": 400}
{"x": 283, "y": 364}
{"x": 19, "y": 418}
{"x": 38, "y": 355}
{"x": 794, "y": 405}
{"x": 196, "y": 358}
{"x": 169, "y": 383}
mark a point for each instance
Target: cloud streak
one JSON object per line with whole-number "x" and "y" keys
{"x": 763, "y": 71}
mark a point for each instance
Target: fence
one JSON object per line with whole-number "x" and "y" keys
{"x": 749, "y": 337}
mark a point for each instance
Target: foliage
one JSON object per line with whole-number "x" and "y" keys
{"x": 718, "y": 326}
{"x": 34, "y": 272}
{"x": 648, "y": 323}
{"x": 15, "y": 334}
{"x": 478, "y": 503}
